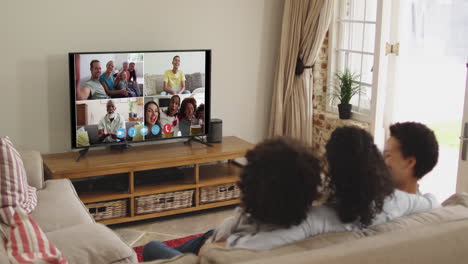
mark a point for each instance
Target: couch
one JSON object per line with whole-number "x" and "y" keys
{"x": 67, "y": 223}
{"x": 436, "y": 236}
{"x": 154, "y": 83}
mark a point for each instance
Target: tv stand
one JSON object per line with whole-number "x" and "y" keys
{"x": 82, "y": 153}
{"x": 121, "y": 147}
{"x": 199, "y": 140}
{"x": 206, "y": 176}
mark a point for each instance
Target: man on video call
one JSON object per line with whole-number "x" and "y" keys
{"x": 92, "y": 89}
{"x": 174, "y": 80}
{"x": 107, "y": 128}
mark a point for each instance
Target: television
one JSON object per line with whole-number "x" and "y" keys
{"x": 138, "y": 96}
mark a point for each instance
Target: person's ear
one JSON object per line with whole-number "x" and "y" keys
{"x": 411, "y": 162}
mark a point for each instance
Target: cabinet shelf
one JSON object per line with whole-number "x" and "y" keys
{"x": 219, "y": 174}
{"x": 102, "y": 196}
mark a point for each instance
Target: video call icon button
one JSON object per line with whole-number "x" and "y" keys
{"x": 167, "y": 128}
{"x": 144, "y": 130}
{"x": 132, "y": 132}
{"x": 120, "y": 133}
{"x": 155, "y": 129}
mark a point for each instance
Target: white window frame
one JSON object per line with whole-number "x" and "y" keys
{"x": 334, "y": 37}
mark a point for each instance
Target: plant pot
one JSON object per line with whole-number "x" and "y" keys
{"x": 344, "y": 111}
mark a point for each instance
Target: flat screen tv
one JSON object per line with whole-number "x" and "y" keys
{"x": 138, "y": 96}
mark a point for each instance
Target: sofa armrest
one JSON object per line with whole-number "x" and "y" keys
{"x": 32, "y": 161}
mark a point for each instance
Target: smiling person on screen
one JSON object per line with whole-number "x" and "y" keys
{"x": 92, "y": 89}
{"x": 410, "y": 152}
{"x": 107, "y": 128}
{"x": 174, "y": 80}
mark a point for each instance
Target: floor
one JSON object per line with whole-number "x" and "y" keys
{"x": 171, "y": 227}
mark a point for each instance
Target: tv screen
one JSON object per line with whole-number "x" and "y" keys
{"x": 138, "y": 96}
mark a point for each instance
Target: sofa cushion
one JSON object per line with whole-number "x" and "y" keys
{"x": 193, "y": 81}
{"x": 33, "y": 165}
{"x": 215, "y": 254}
{"x": 14, "y": 187}
{"x": 445, "y": 243}
{"x": 92, "y": 134}
{"x": 3, "y": 253}
{"x": 82, "y": 139}
{"x": 181, "y": 259}
{"x": 59, "y": 206}
{"x": 92, "y": 243}
{"x": 25, "y": 241}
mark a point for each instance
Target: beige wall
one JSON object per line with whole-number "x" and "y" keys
{"x": 37, "y": 35}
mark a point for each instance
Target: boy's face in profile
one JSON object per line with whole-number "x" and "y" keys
{"x": 397, "y": 164}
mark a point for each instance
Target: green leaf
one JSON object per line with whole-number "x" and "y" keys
{"x": 346, "y": 85}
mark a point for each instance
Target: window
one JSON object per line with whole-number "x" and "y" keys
{"x": 135, "y": 57}
{"x": 352, "y": 46}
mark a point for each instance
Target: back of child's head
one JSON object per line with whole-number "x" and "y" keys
{"x": 358, "y": 178}
{"x": 280, "y": 181}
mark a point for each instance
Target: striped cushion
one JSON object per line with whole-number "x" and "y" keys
{"x": 24, "y": 240}
{"x": 14, "y": 188}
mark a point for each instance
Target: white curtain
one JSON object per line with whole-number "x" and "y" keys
{"x": 305, "y": 24}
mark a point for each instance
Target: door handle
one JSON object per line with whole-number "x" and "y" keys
{"x": 464, "y": 142}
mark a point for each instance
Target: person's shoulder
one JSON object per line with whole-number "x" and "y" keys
{"x": 167, "y": 71}
{"x": 432, "y": 198}
{"x": 89, "y": 83}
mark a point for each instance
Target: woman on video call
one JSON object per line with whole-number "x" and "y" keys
{"x": 187, "y": 116}
{"x": 152, "y": 118}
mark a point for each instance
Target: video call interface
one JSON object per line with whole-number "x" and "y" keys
{"x": 138, "y": 96}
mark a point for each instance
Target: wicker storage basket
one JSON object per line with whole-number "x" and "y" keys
{"x": 107, "y": 210}
{"x": 163, "y": 201}
{"x": 222, "y": 192}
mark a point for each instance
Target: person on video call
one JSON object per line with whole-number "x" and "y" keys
{"x": 124, "y": 69}
{"x": 122, "y": 84}
{"x": 132, "y": 71}
{"x": 132, "y": 79}
{"x": 107, "y": 128}
{"x": 186, "y": 116}
{"x": 170, "y": 117}
{"x": 152, "y": 118}
{"x": 174, "y": 80}
{"x": 108, "y": 82}
{"x": 92, "y": 89}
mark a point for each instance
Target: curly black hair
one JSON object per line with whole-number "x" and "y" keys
{"x": 185, "y": 102}
{"x": 279, "y": 182}
{"x": 358, "y": 179}
{"x": 418, "y": 141}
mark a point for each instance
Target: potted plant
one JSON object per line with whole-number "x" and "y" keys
{"x": 346, "y": 86}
